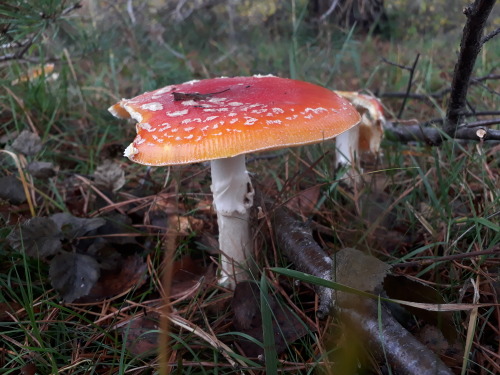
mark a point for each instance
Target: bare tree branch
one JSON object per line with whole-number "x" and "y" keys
{"x": 470, "y": 46}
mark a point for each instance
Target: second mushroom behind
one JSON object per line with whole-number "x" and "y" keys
{"x": 221, "y": 120}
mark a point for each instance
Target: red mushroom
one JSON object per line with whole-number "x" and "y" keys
{"x": 221, "y": 120}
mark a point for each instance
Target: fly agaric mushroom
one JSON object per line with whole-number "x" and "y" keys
{"x": 363, "y": 138}
{"x": 221, "y": 120}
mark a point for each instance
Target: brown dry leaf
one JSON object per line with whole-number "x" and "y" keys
{"x": 183, "y": 224}
{"x": 28, "y": 369}
{"x": 141, "y": 335}
{"x": 187, "y": 273}
{"x": 131, "y": 274}
{"x": 247, "y": 319}
{"x": 305, "y": 201}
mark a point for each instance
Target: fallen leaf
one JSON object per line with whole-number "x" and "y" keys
{"x": 73, "y": 227}
{"x": 109, "y": 176}
{"x": 305, "y": 201}
{"x": 28, "y": 369}
{"x": 141, "y": 335}
{"x": 130, "y": 274}
{"x": 37, "y": 237}
{"x": 358, "y": 270}
{"x": 41, "y": 169}
{"x": 12, "y": 189}
{"x": 119, "y": 225}
{"x": 73, "y": 275}
{"x": 186, "y": 274}
{"x": 247, "y": 319}
{"x": 27, "y": 143}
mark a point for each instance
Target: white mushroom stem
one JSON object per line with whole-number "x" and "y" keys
{"x": 347, "y": 147}
{"x": 233, "y": 197}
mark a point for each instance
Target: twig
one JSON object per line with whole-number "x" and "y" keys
{"x": 433, "y": 136}
{"x": 400, "y": 66}
{"x": 435, "y": 95}
{"x": 71, "y": 8}
{"x": 477, "y": 124}
{"x": 491, "y": 35}
{"x": 468, "y": 114}
{"x": 332, "y": 7}
{"x": 410, "y": 83}
{"x": 471, "y": 44}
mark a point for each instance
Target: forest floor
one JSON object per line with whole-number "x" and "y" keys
{"x": 84, "y": 231}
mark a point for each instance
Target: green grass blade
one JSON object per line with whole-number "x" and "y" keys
{"x": 271, "y": 357}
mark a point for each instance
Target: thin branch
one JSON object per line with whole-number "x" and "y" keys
{"x": 435, "y": 121}
{"x": 400, "y": 66}
{"x": 410, "y": 83}
{"x": 434, "y": 137}
{"x": 471, "y": 44}
{"x": 491, "y": 35}
{"x": 437, "y": 94}
{"x": 333, "y": 5}
{"x": 71, "y": 8}
{"x": 477, "y": 124}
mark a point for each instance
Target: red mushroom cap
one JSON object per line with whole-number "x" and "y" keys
{"x": 224, "y": 117}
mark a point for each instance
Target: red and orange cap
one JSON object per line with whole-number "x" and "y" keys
{"x": 224, "y": 117}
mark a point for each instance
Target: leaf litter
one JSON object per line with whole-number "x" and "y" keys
{"x": 78, "y": 268}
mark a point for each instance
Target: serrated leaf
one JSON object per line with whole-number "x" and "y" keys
{"x": 73, "y": 226}
{"x": 73, "y": 275}
{"x": 37, "y": 237}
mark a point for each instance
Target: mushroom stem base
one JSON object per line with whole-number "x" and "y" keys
{"x": 233, "y": 198}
